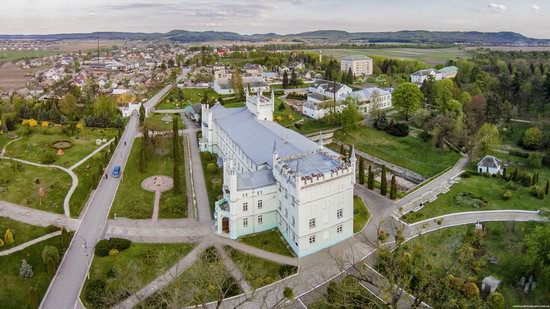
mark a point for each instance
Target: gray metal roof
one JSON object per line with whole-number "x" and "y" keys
{"x": 313, "y": 163}
{"x": 490, "y": 161}
{"x": 253, "y": 180}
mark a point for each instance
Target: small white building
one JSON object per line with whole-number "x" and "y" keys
{"x": 490, "y": 165}
{"x": 330, "y": 89}
{"x": 128, "y": 110}
{"x": 359, "y": 64}
{"x": 369, "y": 97}
{"x": 256, "y": 84}
{"x": 419, "y": 77}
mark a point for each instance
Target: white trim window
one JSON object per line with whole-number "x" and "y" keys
{"x": 260, "y": 219}
{"x": 312, "y": 223}
{"x": 245, "y": 206}
{"x": 339, "y": 229}
{"x": 339, "y": 213}
{"x": 312, "y": 239}
{"x": 260, "y": 204}
{"x": 245, "y": 222}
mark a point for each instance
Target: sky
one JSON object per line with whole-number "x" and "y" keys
{"x": 528, "y": 17}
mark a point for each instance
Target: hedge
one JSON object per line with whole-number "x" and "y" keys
{"x": 105, "y": 245}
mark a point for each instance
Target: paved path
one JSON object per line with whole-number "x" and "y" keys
{"x": 65, "y": 287}
{"x": 154, "y": 100}
{"x": 29, "y": 243}
{"x": 274, "y": 257}
{"x": 161, "y": 231}
{"x": 199, "y": 182}
{"x": 36, "y": 217}
{"x": 98, "y": 149}
{"x": 163, "y": 281}
{"x": 189, "y": 188}
{"x": 233, "y": 269}
{"x": 169, "y": 111}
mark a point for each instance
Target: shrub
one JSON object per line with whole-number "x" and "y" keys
{"x": 288, "y": 293}
{"x": 50, "y": 252}
{"x": 95, "y": 293}
{"x": 210, "y": 255}
{"x": 26, "y": 270}
{"x": 8, "y": 237}
{"x": 212, "y": 168}
{"x": 507, "y": 195}
{"x": 532, "y": 138}
{"x": 104, "y": 246}
{"x": 113, "y": 252}
{"x": 537, "y": 192}
{"x": 495, "y": 301}
{"x": 398, "y": 129}
{"x": 49, "y": 158}
{"x": 286, "y": 270}
{"x": 466, "y": 174}
{"x": 518, "y": 153}
{"x": 534, "y": 160}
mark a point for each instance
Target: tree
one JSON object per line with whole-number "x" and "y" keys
{"x": 293, "y": 78}
{"x": 142, "y": 165}
{"x": 8, "y": 237}
{"x": 532, "y": 138}
{"x": 33, "y": 299}
{"x": 383, "y": 182}
{"x": 349, "y": 116}
{"x": 496, "y": 301}
{"x": 370, "y": 181}
{"x": 141, "y": 115}
{"x": 538, "y": 251}
{"x": 50, "y": 252}
{"x": 361, "y": 170}
{"x": 487, "y": 139}
{"x": 237, "y": 83}
{"x": 51, "y": 266}
{"x": 547, "y": 188}
{"x": 64, "y": 238}
{"x": 407, "y": 98}
{"x": 177, "y": 183}
{"x": 393, "y": 188}
{"x": 285, "y": 79}
{"x": 25, "y": 270}
{"x": 67, "y": 105}
{"x": 105, "y": 106}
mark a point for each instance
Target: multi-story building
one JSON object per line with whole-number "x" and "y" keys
{"x": 274, "y": 177}
{"x": 359, "y": 64}
{"x": 370, "y": 98}
{"x": 420, "y": 76}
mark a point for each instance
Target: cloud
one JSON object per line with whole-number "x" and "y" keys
{"x": 496, "y": 8}
{"x": 535, "y": 8}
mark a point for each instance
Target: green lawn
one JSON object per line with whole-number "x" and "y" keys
{"x": 512, "y": 132}
{"x": 234, "y": 104}
{"x": 271, "y": 241}
{"x": 15, "y": 289}
{"x": 503, "y": 241}
{"x": 205, "y": 281}
{"x": 409, "y": 152}
{"x": 20, "y": 184}
{"x": 488, "y": 188}
{"x": 132, "y": 201}
{"x": 360, "y": 214}
{"x": 308, "y": 125}
{"x": 85, "y": 173}
{"x": 156, "y": 123}
{"x": 257, "y": 271}
{"x": 285, "y": 115}
{"x": 36, "y": 145}
{"x": 21, "y": 232}
{"x": 16, "y": 55}
{"x": 212, "y": 179}
{"x": 131, "y": 270}
{"x": 430, "y": 56}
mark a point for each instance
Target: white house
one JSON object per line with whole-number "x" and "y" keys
{"x": 419, "y": 77}
{"x": 319, "y": 109}
{"x": 359, "y": 64}
{"x": 256, "y": 84}
{"x": 330, "y": 89}
{"x": 490, "y": 165}
{"x": 276, "y": 178}
{"x": 369, "y": 97}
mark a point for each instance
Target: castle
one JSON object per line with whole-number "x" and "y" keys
{"x": 274, "y": 177}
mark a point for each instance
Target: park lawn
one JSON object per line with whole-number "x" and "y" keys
{"x": 171, "y": 105}
{"x": 4, "y": 139}
{"x": 15, "y": 289}
{"x": 16, "y": 55}
{"x": 287, "y": 115}
{"x": 360, "y": 214}
{"x": 20, "y": 183}
{"x": 512, "y": 133}
{"x": 134, "y": 202}
{"x": 212, "y": 177}
{"x": 197, "y": 285}
{"x": 234, "y": 104}
{"x": 22, "y": 232}
{"x": 308, "y": 125}
{"x": 490, "y": 188}
{"x": 257, "y": 271}
{"x": 408, "y": 152}
{"x": 34, "y": 146}
{"x": 86, "y": 181}
{"x": 430, "y": 56}
{"x": 503, "y": 241}
{"x": 271, "y": 241}
{"x": 133, "y": 268}
{"x": 155, "y": 123}
{"x": 195, "y": 95}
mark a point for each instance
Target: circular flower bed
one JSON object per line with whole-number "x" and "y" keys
{"x": 61, "y": 145}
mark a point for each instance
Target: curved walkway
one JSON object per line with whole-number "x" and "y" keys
{"x": 29, "y": 243}
{"x": 36, "y": 217}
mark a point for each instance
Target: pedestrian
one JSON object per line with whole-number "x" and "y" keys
{"x": 124, "y": 143}
{"x": 106, "y": 176}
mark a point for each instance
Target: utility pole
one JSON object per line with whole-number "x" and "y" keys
{"x": 97, "y": 49}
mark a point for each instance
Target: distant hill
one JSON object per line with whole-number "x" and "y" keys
{"x": 321, "y": 36}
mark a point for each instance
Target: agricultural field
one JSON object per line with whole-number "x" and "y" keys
{"x": 431, "y": 56}
{"x": 409, "y": 152}
{"x": 14, "y": 78}
{"x": 16, "y": 55}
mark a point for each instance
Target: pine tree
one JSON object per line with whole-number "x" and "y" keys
{"x": 8, "y": 237}
{"x": 547, "y": 189}
{"x": 370, "y": 183}
{"x": 177, "y": 184}
{"x": 393, "y": 188}
{"x": 50, "y": 264}
{"x": 33, "y": 299}
{"x": 349, "y": 151}
{"x": 293, "y": 78}
{"x": 383, "y": 182}
{"x": 64, "y": 238}
{"x": 285, "y": 79}
{"x": 141, "y": 115}
{"x": 50, "y": 253}
{"x": 361, "y": 170}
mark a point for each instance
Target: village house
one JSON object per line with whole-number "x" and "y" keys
{"x": 370, "y": 97}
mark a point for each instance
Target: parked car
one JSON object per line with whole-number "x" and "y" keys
{"x": 116, "y": 171}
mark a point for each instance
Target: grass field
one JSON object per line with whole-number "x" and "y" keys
{"x": 20, "y": 184}
{"x": 269, "y": 241}
{"x": 132, "y": 269}
{"x": 430, "y": 56}
{"x": 36, "y": 145}
{"x": 85, "y": 173}
{"x": 408, "y": 152}
{"x": 257, "y": 271}
{"x": 16, "y": 55}
{"x": 21, "y": 232}
{"x": 155, "y": 123}
{"x": 211, "y": 178}
{"x": 191, "y": 95}
{"x": 132, "y": 201}
{"x": 285, "y": 115}
{"x": 360, "y": 214}
{"x": 489, "y": 188}
{"x": 503, "y": 241}
{"x": 15, "y": 289}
